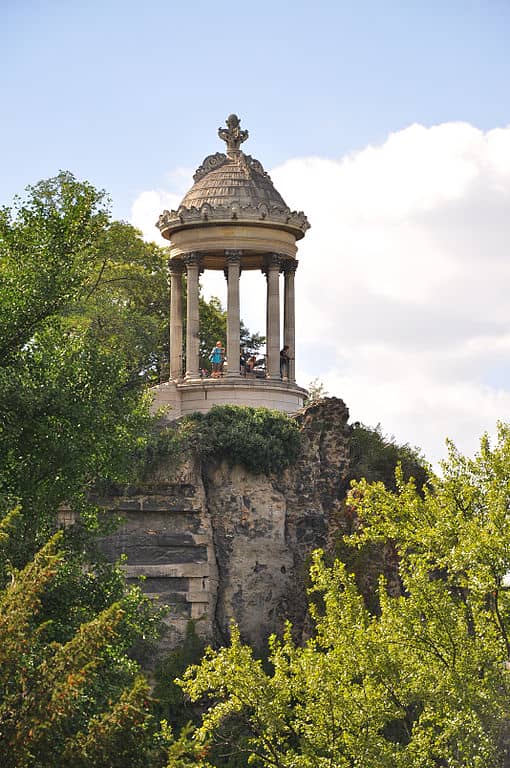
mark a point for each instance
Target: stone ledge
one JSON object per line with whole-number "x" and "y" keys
{"x": 202, "y": 394}
{"x": 198, "y": 597}
{"x": 179, "y": 570}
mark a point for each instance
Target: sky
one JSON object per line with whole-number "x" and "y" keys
{"x": 387, "y": 123}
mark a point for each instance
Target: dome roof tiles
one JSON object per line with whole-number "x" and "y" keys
{"x": 239, "y": 179}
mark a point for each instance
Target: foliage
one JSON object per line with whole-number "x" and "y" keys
{"x": 316, "y": 391}
{"x": 374, "y": 456}
{"x": 421, "y": 683}
{"x": 77, "y": 703}
{"x": 71, "y": 403}
{"x": 61, "y": 254}
{"x": 261, "y": 440}
{"x": 48, "y": 244}
{"x": 126, "y": 302}
{"x": 171, "y": 704}
{"x": 72, "y": 410}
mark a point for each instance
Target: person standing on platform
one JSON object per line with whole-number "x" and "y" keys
{"x": 217, "y": 357}
{"x": 284, "y": 362}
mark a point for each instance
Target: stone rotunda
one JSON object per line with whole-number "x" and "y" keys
{"x": 232, "y": 219}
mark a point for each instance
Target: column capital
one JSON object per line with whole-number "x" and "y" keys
{"x": 272, "y": 262}
{"x": 192, "y": 259}
{"x": 233, "y": 255}
{"x": 289, "y": 266}
{"x": 175, "y": 267}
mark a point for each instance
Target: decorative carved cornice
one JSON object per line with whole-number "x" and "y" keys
{"x": 256, "y": 165}
{"x": 192, "y": 259}
{"x": 251, "y": 167}
{"x": 210, "y": 163}
{"x": 233, "y": 135}
{"x": 172, "y": 220}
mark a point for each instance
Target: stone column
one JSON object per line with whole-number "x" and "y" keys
{"x": 176, "y": 270}
{"x": 192, "y": 261}
{"x": 289, "y": 316}
{"x": 273, "y": 317}
{"x": 233, "y": 312}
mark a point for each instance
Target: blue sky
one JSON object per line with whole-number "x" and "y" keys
{"x": 388, "y": 123}
{"x": 121, "y": 92}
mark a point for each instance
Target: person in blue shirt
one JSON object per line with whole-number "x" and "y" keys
{"x": 217, "y": 357}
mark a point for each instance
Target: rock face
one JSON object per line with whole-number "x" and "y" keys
{"x": 217, "y": 543}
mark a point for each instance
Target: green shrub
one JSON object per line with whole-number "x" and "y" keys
{"x": 374, "y": 457}
{"x": 261, "y": 440}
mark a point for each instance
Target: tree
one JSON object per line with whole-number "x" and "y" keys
{"x": 72, "y": 407}
{"x": 421, "y": 681}
{"x": 47, "y": 246}
{"x": 374, "y": 456}
{"x": 72, "y": 411}
{"x": 125, "y": 306}
{"x": 316, "y": 391}
{"x": 79, "y": 703}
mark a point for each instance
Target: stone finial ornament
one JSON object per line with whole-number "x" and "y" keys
{"x": 232, "y": 187}
{"x": 233, "y": 135}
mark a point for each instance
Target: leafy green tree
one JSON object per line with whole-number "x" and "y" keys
{"x": 48, "y": 244}
{"x": 125, "y": 306}
{"x": 257, "y": 438}
{"x": 72, "y": 410}
{"x": 172, "y": 705}
{"x": 374, "y": 456}
{"x": 421, "y": 682}
{"x": 71, "y": 405}
{"x": 80, "y": 703}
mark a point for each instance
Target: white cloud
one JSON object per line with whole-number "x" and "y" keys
{"x": 146, "y": 209}
{"x": 402, "y": 288}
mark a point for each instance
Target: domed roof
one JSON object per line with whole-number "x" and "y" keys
{"x": 222, "y": 180}
{"x": 232, "y": 186}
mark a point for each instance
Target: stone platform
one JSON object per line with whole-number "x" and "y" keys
{"x": 184, "y": 397}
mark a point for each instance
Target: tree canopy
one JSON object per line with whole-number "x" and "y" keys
{"x": 72, "y": 407}
{"x": 79, "y": 702}
{"x": 72, "y": 410}
{"x": 421, "y": 681}
{"x": 83, "y": 330}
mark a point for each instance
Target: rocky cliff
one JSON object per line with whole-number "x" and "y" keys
{"x": 215, "y": 542}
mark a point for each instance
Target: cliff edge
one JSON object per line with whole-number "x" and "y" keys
{"x": 215, "y": 542}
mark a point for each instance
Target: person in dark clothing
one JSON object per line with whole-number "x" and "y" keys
{"x": 284, "y": 362}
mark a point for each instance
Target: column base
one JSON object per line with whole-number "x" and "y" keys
{"x": 201, "y": 395}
